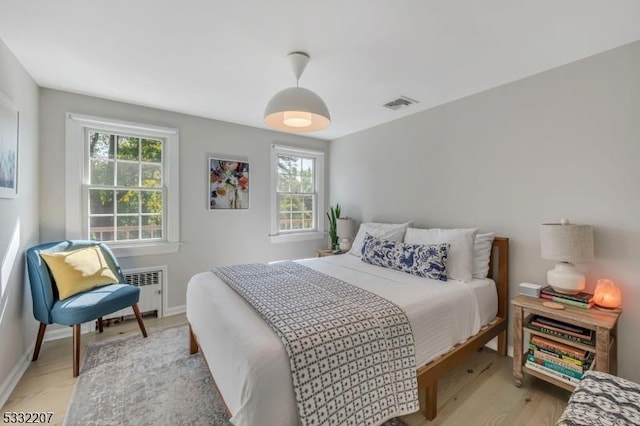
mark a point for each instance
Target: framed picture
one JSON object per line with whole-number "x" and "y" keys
{"x": 8, "y": 148}
{"x": 228, "y": 184}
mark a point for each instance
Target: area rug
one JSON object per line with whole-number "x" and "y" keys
{"x": 153, "y": 381}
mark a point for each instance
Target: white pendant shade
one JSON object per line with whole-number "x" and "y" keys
{"x": 297, "y": 119}
{"x": 296, "y": 109}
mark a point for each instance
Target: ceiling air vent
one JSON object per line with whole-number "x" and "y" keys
{"x": 401, "y": 102}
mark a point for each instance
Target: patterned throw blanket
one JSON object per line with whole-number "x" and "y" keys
{"x": 601, "y": 399}
{"x": 351, "y": 352}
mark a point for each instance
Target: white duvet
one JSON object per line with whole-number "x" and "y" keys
{"x": 249, "y": 362}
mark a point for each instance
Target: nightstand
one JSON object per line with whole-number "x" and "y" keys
{"x": 327, "y": 252}
{"x": 602, "y": 322}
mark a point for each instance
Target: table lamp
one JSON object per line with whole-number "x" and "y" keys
{"x": 567, "y": 244}
{"x": 345, "y": 228}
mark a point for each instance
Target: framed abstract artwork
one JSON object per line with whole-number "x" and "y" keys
{"x": 8, "y": 148}
{"x": 228, "y": 185}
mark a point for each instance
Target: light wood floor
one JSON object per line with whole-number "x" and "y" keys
{"x": 480, "y": 392}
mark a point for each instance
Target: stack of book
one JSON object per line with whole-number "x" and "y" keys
{"x": 580, "y": 300}
{"x": 563, "y": 361}
{"x": 562, "y": 329}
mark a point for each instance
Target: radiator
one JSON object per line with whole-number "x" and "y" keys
{"x": 150, "y": 281}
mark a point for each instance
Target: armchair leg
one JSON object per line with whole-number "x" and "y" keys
{"x": 36, "y": 351}
{"x": 100, "y": 325}
{"x": 76, "y": 350}
{"x": 139, "y": 319}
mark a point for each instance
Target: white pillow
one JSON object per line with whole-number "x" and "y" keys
{"x": 460, "y": 258}
{"x": 384, "y": 231}
{"x": 481, "y": 254}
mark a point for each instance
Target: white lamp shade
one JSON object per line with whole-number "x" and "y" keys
{"x": 566, "y": 242}
{"x": 345, "y": 227}
{"x": 297, "y": 110}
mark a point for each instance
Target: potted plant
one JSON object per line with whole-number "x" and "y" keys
{"x": 333, "y": 215}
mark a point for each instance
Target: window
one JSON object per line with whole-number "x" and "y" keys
{"x": 125, "y": 187}
{"x": 297, "y": 194}
{"x": 123, "y": 190}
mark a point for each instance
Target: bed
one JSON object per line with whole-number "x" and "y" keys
{"x": 250, "y": 366}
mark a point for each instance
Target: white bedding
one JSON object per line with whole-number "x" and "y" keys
{"x": 250, "y": 365}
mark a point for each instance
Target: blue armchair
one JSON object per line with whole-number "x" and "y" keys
{"x": 83, "y": 307}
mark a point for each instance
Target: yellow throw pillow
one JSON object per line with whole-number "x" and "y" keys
{"x": 79, "y": 270}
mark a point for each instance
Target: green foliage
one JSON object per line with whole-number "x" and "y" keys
{"x": 128, "y": 148}
{"x": 138, "y": 162}
{"x": 333, "y": 215}
{"x": 297, "y": 193}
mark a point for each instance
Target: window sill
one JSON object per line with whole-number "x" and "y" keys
{"x": 144, "y": 249}
{"x": 299, "y": 236}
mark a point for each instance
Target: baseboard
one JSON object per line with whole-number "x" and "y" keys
{"x": 493, "y": 344}
{"x": 61, "y": 333}
{"x": 18, "y": 370}
{"x": 58, "y": 333}
{"x": 175, "y": 310}
{"x": 10, "y": 383}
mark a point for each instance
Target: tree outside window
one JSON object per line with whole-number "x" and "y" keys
{"x": 296, "y": 193}
{"x": 125, "y": 191}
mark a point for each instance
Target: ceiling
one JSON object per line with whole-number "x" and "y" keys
{"x": 225, "y": 60}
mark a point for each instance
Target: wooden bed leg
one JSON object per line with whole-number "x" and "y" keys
{"x": 431, "y": 403}
{"x": 502, "y": 343}
{"x": 193, "y": 343}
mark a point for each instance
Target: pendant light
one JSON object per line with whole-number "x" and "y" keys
{"x": 296, "y": 109}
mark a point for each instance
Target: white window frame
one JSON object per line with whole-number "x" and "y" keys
{"x": 290, "y": 236}
{"x": 77, "y": 179}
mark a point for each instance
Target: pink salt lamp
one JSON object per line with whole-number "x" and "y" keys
{"x": 607, "y": 295}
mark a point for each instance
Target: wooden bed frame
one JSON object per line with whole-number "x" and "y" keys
{"x": 429, "y": 374}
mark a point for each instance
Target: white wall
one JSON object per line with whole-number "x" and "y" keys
{"x": 209, "y": 237}
{"x": 563, "y": 143}
{"x": 17, "y": 326}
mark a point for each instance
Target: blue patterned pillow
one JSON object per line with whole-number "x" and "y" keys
{"x": 429, "y": 261}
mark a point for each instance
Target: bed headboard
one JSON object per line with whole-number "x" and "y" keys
{"x": 499, "y": 272}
